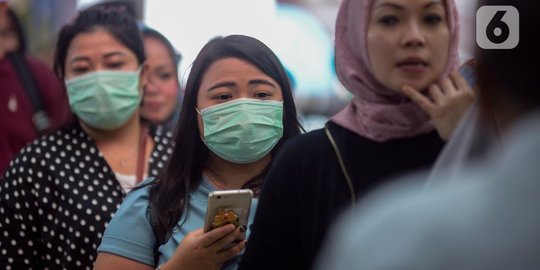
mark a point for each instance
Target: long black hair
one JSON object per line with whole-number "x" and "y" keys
{"x": 170, "y": 192}
{"x": 115, "y": 20}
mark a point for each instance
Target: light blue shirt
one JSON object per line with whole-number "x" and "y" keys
{"x": 130, "y": 233}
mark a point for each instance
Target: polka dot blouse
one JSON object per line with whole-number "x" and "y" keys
{"x": 56, "y": 198}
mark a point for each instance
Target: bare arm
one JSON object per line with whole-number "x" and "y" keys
{"x": 197, "y": 250}
{"x": 107, "y": 261}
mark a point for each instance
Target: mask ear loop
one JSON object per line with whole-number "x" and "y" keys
{"x": 201, "y": 136}
{"x": 143, "y": 90}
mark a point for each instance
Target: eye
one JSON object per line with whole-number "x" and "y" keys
{"x": 115, "y": 65}
{"x": 223, "y": 96}
{"x": 164, "y": 76}
{"x": 80, "y": 70}
{"x": 388, "y": 20}
{"x": 262, "y": 95}
{"x": 433, "y": 19}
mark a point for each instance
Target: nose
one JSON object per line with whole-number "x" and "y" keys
{"x": 413, "y": 35}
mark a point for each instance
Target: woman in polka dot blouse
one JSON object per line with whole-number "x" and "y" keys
{"x": 238, "y": 111}
{"x": 61, "y": 191}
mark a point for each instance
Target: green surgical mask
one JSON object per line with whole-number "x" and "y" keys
{"x": 104, "y": 99}
{"x": 243, "y": 130}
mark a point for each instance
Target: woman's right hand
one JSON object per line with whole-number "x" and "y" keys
{"x": 199, "y": 250}
{"x": 449, "y": 100}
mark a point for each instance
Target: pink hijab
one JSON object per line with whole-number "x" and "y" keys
{"x": 375, "y": 111}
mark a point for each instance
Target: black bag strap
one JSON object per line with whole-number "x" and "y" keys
{"x": 41, "y": 120}
{"x": 342, "y": 165}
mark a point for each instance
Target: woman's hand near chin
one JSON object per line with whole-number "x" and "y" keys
{"x": 449, "y": 99}
{"x": 204, "y": 251}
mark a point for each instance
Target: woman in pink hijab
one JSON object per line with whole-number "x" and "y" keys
{"x": 397, "y": 58}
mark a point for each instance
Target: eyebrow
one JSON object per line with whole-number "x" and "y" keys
{"x": 111, "y": 54}
{"x": 433, "y": 3}
{"x": 163, "y": 67}
{"x": 79, "y": 58}
{"x": 222, "y": 84}
{"x": 265, "y": 82}
{"x": 386, "y": 4}
{"x": 232, "y": 84}
{"x": 85, "y": 58}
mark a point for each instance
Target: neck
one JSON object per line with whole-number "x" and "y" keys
{"x": 230, "y": 175}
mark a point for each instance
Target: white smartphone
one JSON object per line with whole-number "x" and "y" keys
{"x": 227, "y": 207}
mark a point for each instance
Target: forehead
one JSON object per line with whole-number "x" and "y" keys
{"x": 231, "y": 68}
{"x": 408, "y": 3}
{"x": 95, "y": 45}
{"x": 155, "y": 48}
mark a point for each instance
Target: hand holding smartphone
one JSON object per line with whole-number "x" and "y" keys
{"x": 228, "y": 207}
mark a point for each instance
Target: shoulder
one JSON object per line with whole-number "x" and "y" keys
{"x": 44, "y": 147}
{"x": 135, "y": 205}
{"x": 311, "y": 142}
{"x": 316, "y": 144}
{"x": 55, "y": 152}
{"x": 68, "y": 140}
{"x": 140, "y": 193}
{"x": 130, "y": 233}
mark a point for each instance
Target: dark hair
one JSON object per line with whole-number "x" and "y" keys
{"x": 123, "y": 6}
{"x": 169, "y": 193}
{"x": 16, "y": 25}
{"x": 115, "y": 21}
{"x": 148, "y": 32}
{"x": 509, "y": 77}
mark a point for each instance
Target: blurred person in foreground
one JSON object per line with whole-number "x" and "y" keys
{"x": 18, "y": 124}
{"x": 489, "y": 219}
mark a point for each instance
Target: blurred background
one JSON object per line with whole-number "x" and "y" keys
{"x": 299, "y": 31}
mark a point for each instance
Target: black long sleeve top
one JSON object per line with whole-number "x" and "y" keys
{"x": 305, "y": 190}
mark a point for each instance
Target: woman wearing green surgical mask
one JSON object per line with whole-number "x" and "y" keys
{"x": 62, "y": 190}
{"x": 238, "y": 111}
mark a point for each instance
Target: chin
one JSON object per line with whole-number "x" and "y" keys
{"x": 154, "y": 118}
{"x": 420, "y": 86}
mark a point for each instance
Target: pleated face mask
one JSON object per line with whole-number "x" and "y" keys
{"x": 104, "y": 99}
{"x": 243, "y": 130}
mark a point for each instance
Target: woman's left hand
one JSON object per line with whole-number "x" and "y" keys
{"x": 450, "y": 98}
